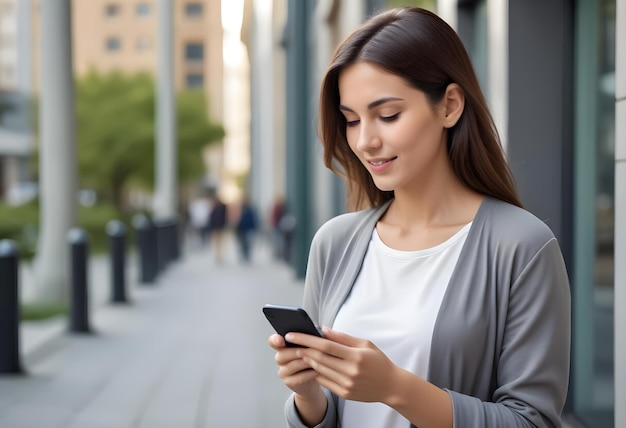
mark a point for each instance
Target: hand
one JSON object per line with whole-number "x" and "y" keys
{"x": 293, "y": 371}
{"x": 353, "y": 368}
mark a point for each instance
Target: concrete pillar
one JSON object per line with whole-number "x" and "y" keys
{"x": 57, "y": 175}
{"x": 498, "y": 65}
{"x": 325, "y": 23}
{"x": 447, "y": 10}
{"x": 24, "y": 46}
{"x": 166, "y": 200}
{"x": 262, "y": 139}
{"x": 299, "y": 203}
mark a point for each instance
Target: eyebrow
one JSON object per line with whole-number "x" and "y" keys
{"x": 372, "y": 104}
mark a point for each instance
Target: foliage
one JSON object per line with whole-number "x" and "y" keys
{"x": 21, "y": 223}
{"x": 94, "y": 220}
{"x": 36, "y": 312}
{"x": 426, "y": 4}
{"x": 115, "y": 130}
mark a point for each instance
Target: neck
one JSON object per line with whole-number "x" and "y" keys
{"x": 446, "y": 202}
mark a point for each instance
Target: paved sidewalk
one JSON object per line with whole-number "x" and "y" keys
{"x": 188, "y": 351}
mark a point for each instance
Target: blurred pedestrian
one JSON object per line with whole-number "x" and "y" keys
{"x": 198, "y": 212}
{"x": 287, "y": 229}
{"x": 278, "y": 240}
{"x": 449, "y": 303}
{"x": 246, "y": 228}
{"x": 218, "y": 221}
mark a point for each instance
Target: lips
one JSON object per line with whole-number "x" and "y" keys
{"x": 379, "y": 162}
{"x": 379, "y": 165}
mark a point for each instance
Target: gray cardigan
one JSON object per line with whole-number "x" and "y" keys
{"x": 501, "y": 341}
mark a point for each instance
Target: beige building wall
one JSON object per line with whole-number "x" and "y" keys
{"x": 8, "y": 44}
{"x": 99, "y": 22}
{"x": 121, "y": 35}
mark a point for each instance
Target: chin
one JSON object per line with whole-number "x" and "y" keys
{"x": 384, "y": 187}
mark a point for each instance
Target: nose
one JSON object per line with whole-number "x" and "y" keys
{"x": 368, "y": 138}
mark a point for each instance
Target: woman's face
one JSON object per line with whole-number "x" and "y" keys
{"x": 394, "y": 130}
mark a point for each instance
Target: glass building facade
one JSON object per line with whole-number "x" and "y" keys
{"x": 592, "y": 381}
{"x": 586, "y": 227}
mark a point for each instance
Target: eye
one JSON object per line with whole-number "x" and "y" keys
{"x": 352, "y": 123}
{"x": 391, "y": 118}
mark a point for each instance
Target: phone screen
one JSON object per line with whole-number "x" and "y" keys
{"x": 287, "y": 319}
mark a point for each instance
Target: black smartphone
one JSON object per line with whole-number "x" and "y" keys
{"x": 287, "y": 319}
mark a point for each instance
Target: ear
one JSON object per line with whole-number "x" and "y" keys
{"x": 453, "y": 103}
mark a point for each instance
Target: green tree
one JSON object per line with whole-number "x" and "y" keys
{"x": 116, "y": 133}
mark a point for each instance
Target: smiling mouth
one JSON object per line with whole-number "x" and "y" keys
{"x": 381, "y": 162}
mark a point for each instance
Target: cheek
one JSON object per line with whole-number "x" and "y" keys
{"x": 352, "y": 137}
{"x": 420, "y": 135}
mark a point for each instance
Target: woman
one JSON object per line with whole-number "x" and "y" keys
{"x": 449, "y": 303}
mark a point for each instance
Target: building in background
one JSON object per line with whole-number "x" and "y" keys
{"x": 549, "y": 74}
{"x": 121, "y": 35}
{"x": 263, "y": 32}
{"x": 16, "y": 139}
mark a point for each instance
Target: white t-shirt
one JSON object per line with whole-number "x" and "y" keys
{"x": 199, "y": 210}
{"x": 394, "y": 303}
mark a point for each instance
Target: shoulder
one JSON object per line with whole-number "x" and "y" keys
{"x": 347, "y": 226}
{"x": 510, "y": 223}
{"x": 514, "y": 240}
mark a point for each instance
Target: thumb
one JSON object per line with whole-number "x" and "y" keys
{"x": 342, "y": 338}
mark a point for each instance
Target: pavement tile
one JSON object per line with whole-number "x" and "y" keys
{"x": 188, "y": 351}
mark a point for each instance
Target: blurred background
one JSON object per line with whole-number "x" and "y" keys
{"x": 111, "y": 109}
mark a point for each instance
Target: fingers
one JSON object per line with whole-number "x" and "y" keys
{"x": 314, "y": 342}
{"x": 276, "y": 341}
{"x": 296, "y": 373}
{"x": 343, "y": 338}
{"x": 333, "y": 343}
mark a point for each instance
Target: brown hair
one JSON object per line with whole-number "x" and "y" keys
{"x": 420, "y": 47}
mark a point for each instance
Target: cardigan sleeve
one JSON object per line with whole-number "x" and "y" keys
{"x": 293, "y": 418}
{"x": 533, "y": 366}
{"x": 311, "y": 305}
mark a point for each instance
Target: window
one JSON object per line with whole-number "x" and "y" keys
{"x": 113, "y": 44}
{"x": 194, "y": 52}
{"x": 112, "y": 9}
{"x": 472, "y": 27}
{"x": 194, "y": 10}
{"x": 593, "y": 378}
{"x": 194, "y": 81}
{"x": 143, "y": 43}
{"x": 143, "y": 10}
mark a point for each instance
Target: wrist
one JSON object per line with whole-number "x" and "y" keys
{"x": 311, "y": 407}
{"x": 397, "y": 387}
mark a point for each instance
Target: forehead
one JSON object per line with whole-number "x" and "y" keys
{"x": 363, "y": 82}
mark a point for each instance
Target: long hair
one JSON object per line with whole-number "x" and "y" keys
{"x": 420, "y": 47}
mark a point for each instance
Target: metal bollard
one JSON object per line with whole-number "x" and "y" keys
{"x": 9, "y": 308}
{"x": 146, "y": 247}
{"x": 79, "y": 304}
{"x": 162, "y": 244}
{"x": 167, "y": 242}
{"x": 179, "y": 239}
{"x": 176, "y": 241}
{"x": 116, "y": 231}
